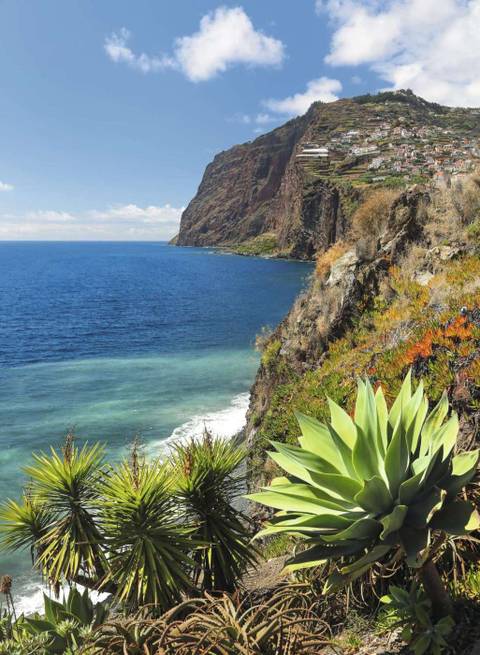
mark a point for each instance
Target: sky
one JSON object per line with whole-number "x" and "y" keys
{"x": 110, "y": 111}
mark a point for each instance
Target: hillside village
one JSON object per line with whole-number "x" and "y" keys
{"x": 390, "y": 147}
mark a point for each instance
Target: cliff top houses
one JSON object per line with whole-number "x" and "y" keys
{"x": 383, "y": 149}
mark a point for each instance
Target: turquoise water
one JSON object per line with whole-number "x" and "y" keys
{"x": 118, "y": 340}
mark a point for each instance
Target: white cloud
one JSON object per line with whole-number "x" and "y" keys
{"x": 430, "y": 46}
{"x": 6, "y": 187}
{"x": 121, "y": 222}
{"x": 323, "y": 88}
{"x": 117, "y": 49}
{"x": 49, "y": 216}
{"x": 245, "y": 119}
{"x": 264, "y": 119}
{"x": 151, "y": 215}
{"x": 226, "y": 37}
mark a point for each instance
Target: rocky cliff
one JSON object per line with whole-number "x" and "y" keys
{"x": 272, "y": 196}
{"x": 410, "y": 301}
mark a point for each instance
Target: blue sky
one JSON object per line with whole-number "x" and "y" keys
{"x": 111, "y": 110}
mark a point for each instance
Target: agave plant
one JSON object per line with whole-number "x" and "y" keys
{"x": 148, "y": 549}
{"x": 384, "y": 480}
{"x": 56, "y": 515}
{"x": 206, "y": 483}
{"x": 64, "y": 625}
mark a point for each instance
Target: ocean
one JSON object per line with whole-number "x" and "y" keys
{"x": 122, "y": 340}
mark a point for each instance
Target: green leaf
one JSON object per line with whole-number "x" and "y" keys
{"x": 464, "y": 467}
{"x": 304, "y": 458}
{"x": 373, "y": 555}
{"x": 401, "y": 400}
{"x": 446, "y": 436}
{"x": 414, "y": 541}
{"x": 457, "y": 517}
{"x": 382, "y": 416}
{"x": 366, "y": 456}
{"x": 362, "y": 529}
{"x": 421, "y": 644}
{"x": 375, "y": 496}
{"x": 337, "y": 581}
{"x": 418, "y": 425}
{"x": 345, "y": 452}
{"x": 433, "y": 422}
{"x": 397, "y": 459}
{"x": 322, "y": 552}
{"x": 342, "y": 424}
{"x": 317, "y": 439}
{"x": 409, "y": 489}
{"x": 393, "y": 521}
{"x": 294, "y": 498}
{"x": 421, "y": 512}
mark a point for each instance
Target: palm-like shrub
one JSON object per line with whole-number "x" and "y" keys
{"x": 206, "y": 482}
{"x": 361, "y": 487}
{"x": 56, "y": 516}
{"x": 148, "y": 549}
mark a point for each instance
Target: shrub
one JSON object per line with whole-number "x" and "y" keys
{"x": 371, "y": 217}
{"x": 270, "y": 352}
{"x": 466, "y": 199}
{"x": 122, "y": 529}
{"x": 219, "y": 626}
{"x": 412, "y": 611}
{"x": 326, "y": 259}
{"x": 206, "y": 482}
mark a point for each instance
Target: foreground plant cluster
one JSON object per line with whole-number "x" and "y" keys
{"x": 379, "y": 495}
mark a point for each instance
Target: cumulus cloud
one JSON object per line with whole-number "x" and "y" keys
{"x": 225, "y": 38}
{"x": 323, "y": 88}
{"x": 117, "y": 49}
{"x": 6, "y": 187}
{"x": 429, "y": 46}
{"x": 121, "y": 222}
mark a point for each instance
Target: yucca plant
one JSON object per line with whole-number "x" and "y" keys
{"x": 56, "y": 518}
{"x": 361, "y": 487}
{"x": 148, "y": 548}
{"x": 206, "y": 483}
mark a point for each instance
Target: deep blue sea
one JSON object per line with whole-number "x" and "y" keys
{"x": 117, "y": 340}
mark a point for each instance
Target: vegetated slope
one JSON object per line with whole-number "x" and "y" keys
{"x": 405, "y": 295}
{"x": 268, "y": 197}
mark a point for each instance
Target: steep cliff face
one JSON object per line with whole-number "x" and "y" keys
{"x": 269, "y": 197}
{"x": 234, "y": 197}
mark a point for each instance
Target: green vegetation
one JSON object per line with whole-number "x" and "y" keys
{"x": 412, "y": 611}
{"x": 263, "y": 245}
{"x": 382, "y": 481}
{"x": 219, "y": 626}
{"x": 63, "y": 628}
{"x": 146, "y": 532}
{"x": 404, "y": 326}
{"x": 206, "y": 483}
{"x": 270, "y": 352}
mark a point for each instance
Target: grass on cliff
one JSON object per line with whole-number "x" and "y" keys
{"x": 261, "y": 246}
